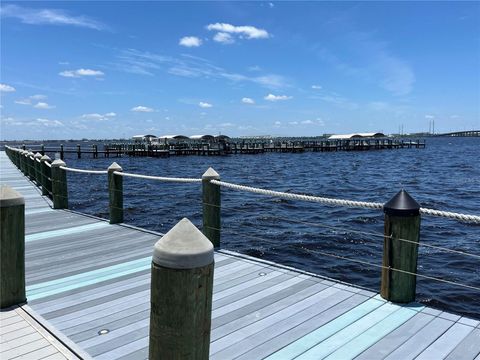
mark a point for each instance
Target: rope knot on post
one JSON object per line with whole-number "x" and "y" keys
{"x": 402, "y": 221}
{"x": 181, "y": 294}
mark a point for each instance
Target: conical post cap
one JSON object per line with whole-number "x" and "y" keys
{"x": 183, "y": 247}
{"x": 402, "y": 204}
{"x": 210, "y": 174}
{"x": 9, "y": 197}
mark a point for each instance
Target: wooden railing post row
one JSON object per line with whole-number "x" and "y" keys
{"x": 181, "y": 294}
{"x": 12, "y": 247}
{"x": 115, "y": 190}
{"x": 46, "y": 175}
{"x": 211, "y": 207}
{"x": 402, "y": 222}
{"x": 59, "y": 185}
{"x": 38, "y": 168}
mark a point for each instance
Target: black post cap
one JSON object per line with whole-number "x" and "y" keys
{"x": 402, "y": 204}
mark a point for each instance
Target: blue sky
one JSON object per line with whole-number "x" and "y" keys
{"x": 116, "y": 69}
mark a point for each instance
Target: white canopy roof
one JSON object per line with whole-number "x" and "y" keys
{"x": 354, "y": 136}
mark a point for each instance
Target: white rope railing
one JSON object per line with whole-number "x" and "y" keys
{"x": 158, "y": 178}
{"x": 349, "y": 203}
{"x": 97, "y": 172}
{"x": 292, "y": 196}
{"x": 48, "y": 164}
{"x": 451, "y": 215}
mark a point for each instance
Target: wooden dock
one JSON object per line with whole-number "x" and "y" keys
{"x": 98, "y": 300}
{"x": 249, "y": 146}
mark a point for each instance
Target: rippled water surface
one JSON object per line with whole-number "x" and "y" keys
{"x": 445, "y": 175}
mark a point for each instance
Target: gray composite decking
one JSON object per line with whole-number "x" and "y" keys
{"x": 85, "y": 275}
{"x": 21, "y": 337}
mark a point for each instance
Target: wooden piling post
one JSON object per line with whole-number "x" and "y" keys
{"x": 211, "y": 207}
{"x": 115, "y": 189}
{"x": 30, "y": 165}
{"x": 46, "y": 175}
{"x": 79, "y": 152}
{"x": 37, "y": 168}
{"x": 23, "y": 161}
{"x": 42, "y": 149}
{"x": 12, "y": 247}
{"x": 59, "y": 185}
{"x": 402, "y": 221}
{"x": 181, "y": 294}
{"x": 62, "y": 155}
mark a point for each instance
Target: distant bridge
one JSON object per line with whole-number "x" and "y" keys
{"x": 462, "y": 133}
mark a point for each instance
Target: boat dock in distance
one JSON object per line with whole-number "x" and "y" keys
{"x": 208, "y": 145}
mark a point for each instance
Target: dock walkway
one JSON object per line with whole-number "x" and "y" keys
{"x": 97, "y": 302}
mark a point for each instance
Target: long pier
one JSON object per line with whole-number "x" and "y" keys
{"x": 250, "y": 146}
{"x": 88, "y": 284}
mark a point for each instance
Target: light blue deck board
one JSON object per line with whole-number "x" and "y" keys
{"x": 77, "y": 281}
{"x": 348, "y": 333}
{"x": 312, "y": 339}
{"x": 369, "y": 337}
{"x": 68, "y": 231}
{"x": 390, "y": 342}
{"x": 421, "y": 340}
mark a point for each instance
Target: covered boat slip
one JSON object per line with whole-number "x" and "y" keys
{"x": 88, "y": 282}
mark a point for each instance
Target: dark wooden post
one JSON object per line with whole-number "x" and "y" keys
{"x": 23, "y": 160}
{"x": 59, "y": 185}
{"x": 30, "y": 166}
{"x": 42, "y": 149}
{"x": 12, "y": 247}
{"x": 62, "y": 155}
{"x": 402, "y": 221}
{"x": 181, "y": 294}
{"x": 211, "y": 207}
{"x": 79, "y": 152}
{"x": 46, "y": 175}
{"x": 38, "y": 168}
{"x": 115, "y": 189}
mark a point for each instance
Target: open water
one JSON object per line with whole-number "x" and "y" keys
{"x": 445, "y": 175}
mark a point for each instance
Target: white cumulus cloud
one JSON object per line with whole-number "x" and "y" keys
{"x": 271, "y": 97}
{"x": 224, "y": 38}
{"x": 429, "y": 116}
{"x": 316, "y": 87}
{"x": 190, "y": 41}
{"x": 81, "y": 72}
{"x": 23, "y": 102}
{"x": 49, "y": 123}
{"x": 307, "y": 122}
{"x": 141, "y": 108}
{"x": 6, "y": 88}
{"x": 43, "y": 105}
{"x": 99, "y": 117}
{"x": 204, "y": 105}
{"x": 247, "y": 100}
{"x": 38, "y": 97}
{"x": 250, "y": 32}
